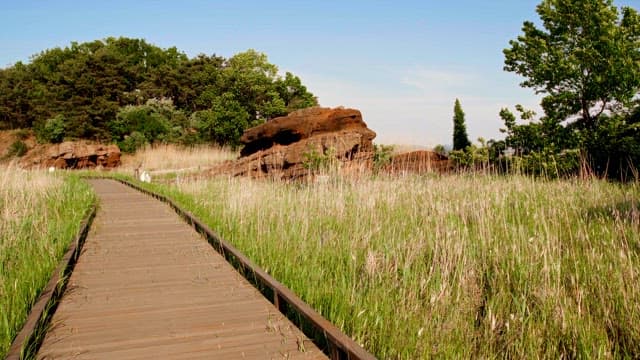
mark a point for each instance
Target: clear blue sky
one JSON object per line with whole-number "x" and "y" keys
{"x": 402, "y": 63}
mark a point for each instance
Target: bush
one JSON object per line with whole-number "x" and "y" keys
{"x": 317, "y": 162}
{"x": 548, "y": 164}
{"x": 224, "y": 123}
{"x": 52, "y": 131}
{"x": 133, "y": 142}
{"x": 18, "y": 148}
{"x": 614, "y": 147}
{"x": 157, "y": 120}
{"x": 21, "y": 134}
{"x": 381, "y": 156}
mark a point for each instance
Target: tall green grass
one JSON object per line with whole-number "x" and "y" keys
{"x": 447, "y": 266}
{"x": 40, "y": 214}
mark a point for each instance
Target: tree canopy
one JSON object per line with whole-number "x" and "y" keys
{"x": 103, "y": 89}
{"x": 586, "y": 62}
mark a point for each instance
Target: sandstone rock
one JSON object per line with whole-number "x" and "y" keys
{"x": 281, "y": 147}
{"x": 73, "y": 155}
{"x": 420, "y": 161}
{"x": 303, "y": 124}
{"x": 58, "y": 163}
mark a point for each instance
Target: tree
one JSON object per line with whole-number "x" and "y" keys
{"x": 224, "y": 123}
{"x": 256, "y": 85}
{"x": 586, "y": 60}
{"x": 460, "y": 138}
{"x": 294, "y": 94}
{"x": 110, "y": 89}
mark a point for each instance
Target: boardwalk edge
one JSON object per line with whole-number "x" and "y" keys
{"x": 27, "y": 342}
{"x": 337, "y": 344}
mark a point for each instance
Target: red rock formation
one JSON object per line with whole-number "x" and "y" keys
{"x": 73, "y": 155}
{"x": 303, "y": 124}
{"x": 420, "y": 161}
{"x": 280, "y": 148}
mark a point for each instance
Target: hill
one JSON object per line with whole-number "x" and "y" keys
{"x": 132, "y": 92}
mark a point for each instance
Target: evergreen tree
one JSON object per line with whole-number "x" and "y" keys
{"x": 460, "y": 138}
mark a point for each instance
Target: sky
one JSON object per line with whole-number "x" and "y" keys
{"x": 401, "y": 63}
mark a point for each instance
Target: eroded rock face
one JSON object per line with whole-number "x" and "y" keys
{"x": 419, "y": 161}
{"x": 280, "y": 147}
{"x": 74, "y": 155}
{"x": 303, "y": 124}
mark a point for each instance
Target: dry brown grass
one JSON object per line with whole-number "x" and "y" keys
{"x": 174, "y": 158}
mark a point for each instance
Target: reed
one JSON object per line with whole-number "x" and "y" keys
{"x": 452, "y": 266}
{"x": 40, "y": 214}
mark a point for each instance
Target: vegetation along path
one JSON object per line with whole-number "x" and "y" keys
{"x": 148, "y": 286}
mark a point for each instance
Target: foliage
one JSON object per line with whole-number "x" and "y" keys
{"x": 585, "y": 60}
{"x": 17, "y": 148}
{"x": 156, "y": 121}
{"x": 319, "y": 161}
{"x": 93, "y": 84}
{"x": 294, "y": 94}
{"x": 440, "y": 149}
{"x": 614, "y": 147}
{"x": 224, "y": 123}
{"x": 133, "y": 142}
{"x": 382, "y": 155}
{"x": 460, "y": 138}
{"x": 52, "y": 130}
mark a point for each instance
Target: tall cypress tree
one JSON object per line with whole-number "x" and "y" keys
{"x": 460, "y": 138}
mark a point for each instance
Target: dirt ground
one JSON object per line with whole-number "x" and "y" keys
{"x": 8, "y": 137}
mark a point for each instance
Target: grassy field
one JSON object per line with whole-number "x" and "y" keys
{"x": 447, "y": 266}
{"x": 40, "y": 214}
{"x": 452, "y": 266}
{"x": 173, "y": 158}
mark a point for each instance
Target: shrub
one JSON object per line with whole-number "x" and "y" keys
{"x": 133, "y": 142}
{"x": 17, "y": 148}
{"x": 21, "y": 134}
{"x": 316, "y": 161}
{"x": 224, "y": 123}
{"x": 381, "y": 156}
{"x": 52, "y": 131}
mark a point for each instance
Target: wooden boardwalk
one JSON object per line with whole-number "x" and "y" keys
{"x": 148, "y": 286}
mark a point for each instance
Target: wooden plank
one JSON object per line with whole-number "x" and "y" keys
{"x": 148, "y": 286}
{"x": 341, "y": 346}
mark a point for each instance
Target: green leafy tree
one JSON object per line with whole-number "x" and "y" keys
{"x": 586, "y": 62}
{"x": 132, "y": 142}
{"x": 157, "y": 121}
{"x": 224, "y": 123}
{"x": 585, "y": 59}
{"x": 460, "y": 138}
{"x": 52, "y": 130}
{"x": 294, "y": 94}
{"x": 440, "y": 149}
{"x": 94, "y": 83}
{"x": 255, "y": 84}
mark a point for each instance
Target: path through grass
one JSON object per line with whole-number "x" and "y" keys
{"x": 453, "y": 266}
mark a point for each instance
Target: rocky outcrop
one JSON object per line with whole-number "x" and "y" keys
{"x": 282, "y": 148}
{"x": 304, "y": 124}
{"x": 73, "y": 155}
{"x": 419, "y": 161}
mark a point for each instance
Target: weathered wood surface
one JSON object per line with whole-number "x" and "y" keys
{"x": 148, "y": 286}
